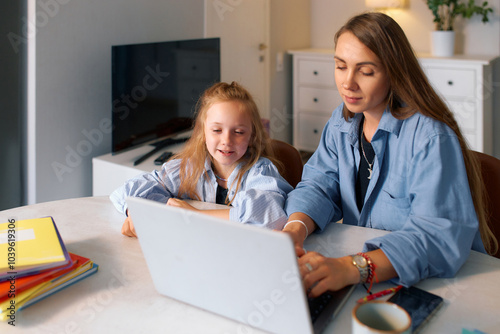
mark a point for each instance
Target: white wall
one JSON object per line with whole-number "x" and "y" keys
{"x": 71, "y": 108}
{"x": 473, "y": 37}
{"x": 290, "y": 29}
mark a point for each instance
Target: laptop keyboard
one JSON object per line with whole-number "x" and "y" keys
{"x": 326, "y": 306}
{"x": 318, "y": 305}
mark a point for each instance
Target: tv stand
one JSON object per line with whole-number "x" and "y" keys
{"x": 111, "y": 171}
{"x": 160, "y": 145}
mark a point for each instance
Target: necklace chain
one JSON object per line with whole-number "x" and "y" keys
{"x": 370, "y": 170}
{"x": 224, "y": 180}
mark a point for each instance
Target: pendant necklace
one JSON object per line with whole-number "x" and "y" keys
{"x": 370, "y": 170}
{"x": 225, "y": 180}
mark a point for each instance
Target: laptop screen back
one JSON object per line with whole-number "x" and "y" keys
{"x": 245, "y": 273}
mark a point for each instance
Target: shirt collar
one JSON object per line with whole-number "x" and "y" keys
{"x": 388, "y": 123}
{"x": 211, "y": 173}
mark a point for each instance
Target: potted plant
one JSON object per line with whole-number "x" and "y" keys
{"x": 445, "y": 12}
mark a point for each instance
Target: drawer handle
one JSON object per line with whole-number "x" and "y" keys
{"x": 315, "y": 72}
{"x": 315, "y": 130}
{"x": 450, "y": 83}
{"x": 315, "y": 99}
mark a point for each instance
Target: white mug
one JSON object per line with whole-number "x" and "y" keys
{"x": 380, "y": 317}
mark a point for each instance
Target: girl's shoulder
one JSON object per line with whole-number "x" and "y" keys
{"x": 262, "y": 162}
{"x": 265, "y": 173}
{"x": 264, "y": 166}
{"x": 171, "y": 166}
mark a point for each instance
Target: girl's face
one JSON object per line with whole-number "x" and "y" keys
{"x": 360, "y": 76}
{"x": 228, "y": 130}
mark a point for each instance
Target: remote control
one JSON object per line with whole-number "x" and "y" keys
{"x": 163, "y": 157}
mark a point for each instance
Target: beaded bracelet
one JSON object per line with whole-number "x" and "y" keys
{"x": 371, "y": 272}
{"x": 299, "y": 221}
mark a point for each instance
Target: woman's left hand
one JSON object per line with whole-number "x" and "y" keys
{"x": 321, "y": 274}
{"x": 180, "y": 204}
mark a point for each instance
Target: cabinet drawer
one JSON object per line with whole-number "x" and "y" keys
{"x": 318, "y": 99}
{"x": 315, "y": 72}
{"x": 452, "y": 82}
{"x": 310, "y": 127}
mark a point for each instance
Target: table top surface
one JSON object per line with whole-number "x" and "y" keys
{"x": 121, "y": 297}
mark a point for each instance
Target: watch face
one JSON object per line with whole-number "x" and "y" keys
{"x": 360, "y": 261}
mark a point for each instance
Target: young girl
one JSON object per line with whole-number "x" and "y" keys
{"x": 228, "y": 160}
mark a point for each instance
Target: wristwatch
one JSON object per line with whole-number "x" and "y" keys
{"x": 360, "y": 262}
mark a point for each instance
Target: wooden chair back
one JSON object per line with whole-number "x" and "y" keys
{"x": 490, "y": 170}
{"x": 290, "y": 159}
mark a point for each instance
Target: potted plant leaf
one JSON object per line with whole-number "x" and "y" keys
{"x": 445, "y": 12}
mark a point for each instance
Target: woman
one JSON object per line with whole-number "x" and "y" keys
{"x": 391, "y": 157}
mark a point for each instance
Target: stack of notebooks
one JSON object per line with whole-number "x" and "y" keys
{"x": 34, "y": 264}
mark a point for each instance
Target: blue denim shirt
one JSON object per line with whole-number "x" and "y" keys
{"x": 419, "y": 190}
{"x": 259, "y": 200}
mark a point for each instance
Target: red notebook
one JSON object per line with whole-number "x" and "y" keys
{"x": 26, "y": 282}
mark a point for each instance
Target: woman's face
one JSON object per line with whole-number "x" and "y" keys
{"x": 228, "y": 130}
{"x": 360, "y": 76}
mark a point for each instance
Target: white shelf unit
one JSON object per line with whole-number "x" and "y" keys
{"x": 314, "y": 95}
{"x": 465, "y": 82}
{"x": 466, "y": 85}
{"x": 111, "y": 171}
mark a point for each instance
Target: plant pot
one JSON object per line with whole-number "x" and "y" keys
{"x": 443, "y": 43}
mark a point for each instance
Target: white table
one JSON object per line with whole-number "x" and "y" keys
{"x": 121, "y": 297}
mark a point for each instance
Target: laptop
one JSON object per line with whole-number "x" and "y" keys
{"x": 245, "y": 273}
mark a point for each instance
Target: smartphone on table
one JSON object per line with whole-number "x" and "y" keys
{"x": 420, "y": 304}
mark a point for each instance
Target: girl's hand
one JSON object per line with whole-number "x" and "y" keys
{"x": 321, "y": 274}
{"x": 128, "y": 228}
{"x": 180, "y": 204}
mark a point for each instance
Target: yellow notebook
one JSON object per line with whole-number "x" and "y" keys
{"x": 29, "y": 246}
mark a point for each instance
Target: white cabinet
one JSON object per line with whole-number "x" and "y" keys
{"x": 465, "y": 83}
{"x": 315, "y": 95}
{"x": 111, "y": 171}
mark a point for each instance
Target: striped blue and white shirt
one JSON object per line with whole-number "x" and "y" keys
{"x": 259, "y": 200}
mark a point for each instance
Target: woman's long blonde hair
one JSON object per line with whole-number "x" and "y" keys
{"x": 195, "y": 152}
{"x": 411, "y": 92}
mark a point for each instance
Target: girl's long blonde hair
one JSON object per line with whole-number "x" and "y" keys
{"x": 411, "y": 92}
{"x": 195, "y": 152}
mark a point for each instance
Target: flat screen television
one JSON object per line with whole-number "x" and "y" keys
{"x": 155, "y": 87}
